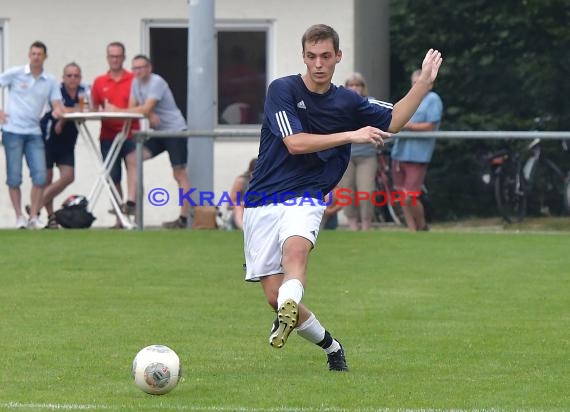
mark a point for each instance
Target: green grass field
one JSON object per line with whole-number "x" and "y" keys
{"x": 430, "y": 321}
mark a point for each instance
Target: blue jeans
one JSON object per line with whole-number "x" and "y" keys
{"x": 32, "y": 147}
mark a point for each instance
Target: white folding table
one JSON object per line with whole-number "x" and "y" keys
{"x": 103, "y": 178}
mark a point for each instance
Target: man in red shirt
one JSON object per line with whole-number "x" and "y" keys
{"x": 111, "y": 91}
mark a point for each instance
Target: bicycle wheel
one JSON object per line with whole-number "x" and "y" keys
{"x": 387, "y": 209}
{"x": 384, "y": 210}
{"x": 394, "y": 207}
{"x": 381, "y": 213}
{"x": 567, "y": 195}
{"x": 426, "y": 203}
{"x": 547, "y": 190}
{"x": 510, "y": 193}
{"x": 380, "y": 210}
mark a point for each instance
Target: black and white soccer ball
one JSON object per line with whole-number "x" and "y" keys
{"x": 156, "y": 369}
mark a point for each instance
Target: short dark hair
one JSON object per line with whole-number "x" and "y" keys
{"x": 39, "y": 45}
{"x": 142, "y": 57}
{"x": 320, "y": 32}
{"x": 117, "y": 44}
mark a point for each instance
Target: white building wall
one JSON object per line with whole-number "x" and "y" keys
{"x": 79, "y": 30}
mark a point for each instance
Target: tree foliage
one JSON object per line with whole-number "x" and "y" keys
{"x": 505, "y": 64}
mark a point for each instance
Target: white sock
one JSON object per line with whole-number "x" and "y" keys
{"x": 314, "y": 332}
{"x": 311, "y": 329}
{"x": 333, "y": 348}
{"x": 292, "y": 289}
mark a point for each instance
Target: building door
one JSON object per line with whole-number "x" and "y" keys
{"x": 169, "y": 55}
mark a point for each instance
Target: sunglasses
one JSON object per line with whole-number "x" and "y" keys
{"x": 73, "y": 75}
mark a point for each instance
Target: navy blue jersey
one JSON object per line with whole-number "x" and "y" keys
{"x": 290, "y": 108}
{"x": 68, "y": 136}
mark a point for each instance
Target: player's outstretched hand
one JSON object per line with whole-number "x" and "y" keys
{"x": 370, "y": 134}
{"x": 430, "y": 65}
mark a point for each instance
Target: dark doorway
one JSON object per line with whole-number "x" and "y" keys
{"x": 169, "y": 55}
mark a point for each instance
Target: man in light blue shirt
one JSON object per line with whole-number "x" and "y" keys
{"x": 31, "y": 90}
{"x": 410, "y": 157}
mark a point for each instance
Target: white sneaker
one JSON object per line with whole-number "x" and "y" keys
{"x": 21, "y": 222}
{"x": 35, "y": 223}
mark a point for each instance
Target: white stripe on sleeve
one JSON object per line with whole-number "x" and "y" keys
{"x": 283, "y": 122}
{"x": 279, "y": 124}
{"x": 381, "y": 103}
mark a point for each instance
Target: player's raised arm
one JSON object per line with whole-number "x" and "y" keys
{"x": 407, "y": 106}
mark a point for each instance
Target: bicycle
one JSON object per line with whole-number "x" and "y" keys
{"x": 388, "y": 201}
{"x": 520, "y": 177}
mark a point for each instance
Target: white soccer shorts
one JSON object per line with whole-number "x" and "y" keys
{"x": 267, "y": 227}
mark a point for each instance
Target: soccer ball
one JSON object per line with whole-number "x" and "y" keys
{"x": 156, "y": 369}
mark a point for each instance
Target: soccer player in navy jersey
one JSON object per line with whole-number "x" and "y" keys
{"x": 304, "y": 150}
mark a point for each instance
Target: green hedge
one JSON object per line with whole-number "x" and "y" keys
{"x": 505, "y": 64}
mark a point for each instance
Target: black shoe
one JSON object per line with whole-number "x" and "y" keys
{"x": 175, "y": 224}
{"x": 337, "y": 361}
{"x": 287, "y": 318}
{"x": 129, "y": 208}
{"x": 52, "y": 223}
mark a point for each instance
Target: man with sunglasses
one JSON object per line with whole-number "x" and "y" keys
{"x": 60, "y": 139}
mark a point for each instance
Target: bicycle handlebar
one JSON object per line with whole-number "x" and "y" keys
{"x": 533, "y": 144}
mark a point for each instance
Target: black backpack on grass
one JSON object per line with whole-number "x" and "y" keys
{"x": 74, "y": 214}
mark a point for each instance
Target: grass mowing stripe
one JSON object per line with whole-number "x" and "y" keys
{"x": 50, "y": 406}
{"x": 17, "y": 405}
